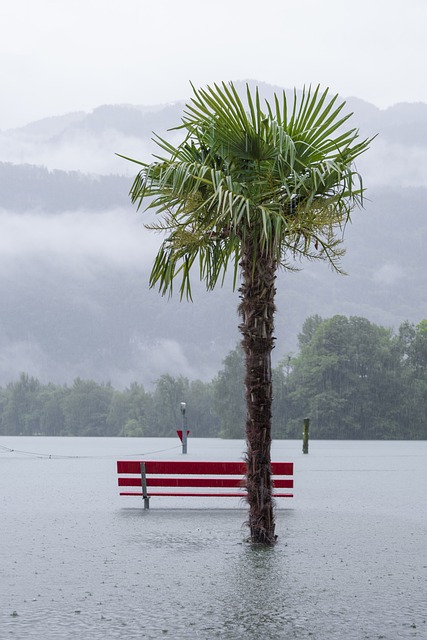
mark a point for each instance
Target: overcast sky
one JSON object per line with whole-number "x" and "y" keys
{"x": 58, "y": 56}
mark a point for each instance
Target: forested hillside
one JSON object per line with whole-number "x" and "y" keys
{"x": 353, "y": 379}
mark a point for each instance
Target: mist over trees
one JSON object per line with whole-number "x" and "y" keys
{"x": 27, "y": 187}
{"x": 353, "y": 379}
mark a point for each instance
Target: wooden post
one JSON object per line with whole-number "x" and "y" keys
{"x": 144, "y": 487}
{"x": 305, "y": 435}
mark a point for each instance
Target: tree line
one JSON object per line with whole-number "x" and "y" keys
{"x": 27, "y": 187}
{"x": 353, "y": 379}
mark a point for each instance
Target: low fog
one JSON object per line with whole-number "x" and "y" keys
{"x": 82, "y": 242}
{"x": 394, "y": 164}
{"x": 90, "y": 142}
{"x": 76, "y": 303}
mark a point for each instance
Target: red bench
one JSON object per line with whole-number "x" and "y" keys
{"x": 193, "y": 478}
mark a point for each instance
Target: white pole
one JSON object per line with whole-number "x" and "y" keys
{"x": 184, "y": 428}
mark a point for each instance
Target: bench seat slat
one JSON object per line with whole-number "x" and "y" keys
{"x": 198, "y": 467}
{"x": 242, "y": 494}
{"x": 182, "y": 467}
{"x": 182, "y": 482}
{"x": 197, "y": 482}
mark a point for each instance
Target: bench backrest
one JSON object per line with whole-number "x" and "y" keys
{"x": 173, "y": 473}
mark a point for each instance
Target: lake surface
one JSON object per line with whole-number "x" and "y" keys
{"x": 78, "y": 561}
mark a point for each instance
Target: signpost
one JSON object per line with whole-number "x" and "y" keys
{"x": 183, "y": 433}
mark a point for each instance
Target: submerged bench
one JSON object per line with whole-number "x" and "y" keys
{"x": 193, "y": 478}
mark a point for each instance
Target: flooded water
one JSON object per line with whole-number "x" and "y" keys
{"x": 78, "y": 561}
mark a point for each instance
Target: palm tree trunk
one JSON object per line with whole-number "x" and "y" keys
{"x": 257, "y": 309}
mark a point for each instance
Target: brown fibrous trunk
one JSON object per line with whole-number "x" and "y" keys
{"x": 257, "y": 293}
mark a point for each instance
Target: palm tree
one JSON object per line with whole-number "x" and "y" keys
{"x": 255, "y": 188}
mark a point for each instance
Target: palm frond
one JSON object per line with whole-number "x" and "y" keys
{"x": 282, "y": 174}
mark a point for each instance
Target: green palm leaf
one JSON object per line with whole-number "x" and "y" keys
{"x": 284, "y": 175}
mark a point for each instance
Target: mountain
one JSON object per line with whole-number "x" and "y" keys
{"x": 89, "y": 142}
{"x": 75, "y": 257}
